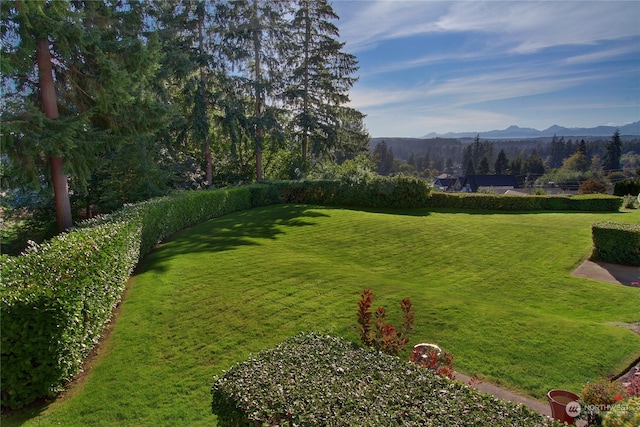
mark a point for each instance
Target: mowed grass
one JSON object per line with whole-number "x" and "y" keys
{"x": 494, "y": 289}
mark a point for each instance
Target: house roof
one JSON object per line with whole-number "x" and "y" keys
{"x": 445, "y": 182}
{"x": 477, "y": 181}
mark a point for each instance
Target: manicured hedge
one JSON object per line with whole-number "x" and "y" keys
{"x": 617, "y": 243}
{"x": 57, "y": 297}
{"x": 316, "y": 380}
{"x": 494, "y": 202}
{"x": 627, "y": 187}
{"x": 371, "y": 192}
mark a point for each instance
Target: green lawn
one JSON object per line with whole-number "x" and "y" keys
{"x": 493, "y": 289}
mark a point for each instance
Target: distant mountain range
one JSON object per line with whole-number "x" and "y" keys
{"x": 515, "y": 132}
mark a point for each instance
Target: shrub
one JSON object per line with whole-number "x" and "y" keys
{"x": 360, "y": 190}
{"x": 592, "y": 186}
{"x": 627, "y": 187}
{"x": 623, "y": 414}
{"x": 384, "y": 336}
{"x": 316, "y": 380}
{"x": 617, "y": 243}
{"x": 431, "y": 357}
{"x": 629, "y": 201}
{"x": 598, "y": 397}
{"x": 602, "y": 392}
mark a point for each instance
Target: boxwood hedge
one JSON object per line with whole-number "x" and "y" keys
{"x": 316, "y": 380}
{"x": 617, "y": 243}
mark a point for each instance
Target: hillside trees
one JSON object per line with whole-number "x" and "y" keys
{"x": 152, "y": 96}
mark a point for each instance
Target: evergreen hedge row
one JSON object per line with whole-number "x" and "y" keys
{"x": 57, "y": 297}
{"x": 316, "y": 380}
{"x": 494, "y": 202}
{"x": 400, "y": 191}
{"x": 407, "y": 192}
{"x": 617, "y": 243}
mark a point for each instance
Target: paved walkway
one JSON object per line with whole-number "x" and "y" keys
{"x": 611, "y": 273}
{"x": 506, "y": 395}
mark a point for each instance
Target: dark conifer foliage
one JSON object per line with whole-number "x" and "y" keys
{"x": 321, "y": 75}
{"x": 151, "y": 96}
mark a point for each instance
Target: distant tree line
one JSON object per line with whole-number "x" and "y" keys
{"x": 557, "y": 158}
{"x": 110, "y": 102}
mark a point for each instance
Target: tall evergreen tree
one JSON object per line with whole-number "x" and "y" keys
{"x": 611, "y": 161}
{"x": 322, "y": 74}
{"x": 558, "y": 152}
{"x": 28, "y": 29}
{"x": 533, "y": 164}
{"x": 470, "y": 170}
{"x": 190, "y": 34}
{"x": 255, "y": 34}
{"x": 383, "y": 157}
{"x": 502, "y": 163}
{"x": 96, "y": 64}
{"x": 483, "y": 168}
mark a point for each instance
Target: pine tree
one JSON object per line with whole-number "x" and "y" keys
{"x": 321, "y": 76}
{"x": 483, "y": 168}
{"x": 502, "y": 163}
{"x": 28, "y": 27}
{"x": 383, "y": 157}
{"x": 533, "y": 164}
{"x": 470, "y": 170}
{"x": 611, "y": 161}
{"x": 557, "y": 152}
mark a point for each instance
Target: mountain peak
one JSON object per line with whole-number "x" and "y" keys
{"x": 517, "y": 132}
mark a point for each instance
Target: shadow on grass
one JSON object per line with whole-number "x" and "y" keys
{"x": 232, "y": 231}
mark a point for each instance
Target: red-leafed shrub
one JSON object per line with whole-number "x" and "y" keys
{"x": 384, "y": 336}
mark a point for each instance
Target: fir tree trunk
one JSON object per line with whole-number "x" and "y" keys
{"x": 258, "y": 93}
{"x": 50, "y": 109}
{"x": 305, "y": 106}
{"x": 209, "y": 160}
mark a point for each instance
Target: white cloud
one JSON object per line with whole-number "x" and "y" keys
{"x": 526, "y": 26}
{"x": 486, "y": 65}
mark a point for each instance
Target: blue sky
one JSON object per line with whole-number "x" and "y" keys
{"x": 431, "y": 66}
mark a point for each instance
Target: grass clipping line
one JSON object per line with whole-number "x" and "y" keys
{"x": 313, "y": 379}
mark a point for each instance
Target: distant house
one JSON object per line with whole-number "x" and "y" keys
{"x": 497, "y": 183}
{"x": 447, "y": 184}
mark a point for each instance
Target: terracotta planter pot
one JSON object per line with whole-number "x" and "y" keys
{"x": 558, "y": 399}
